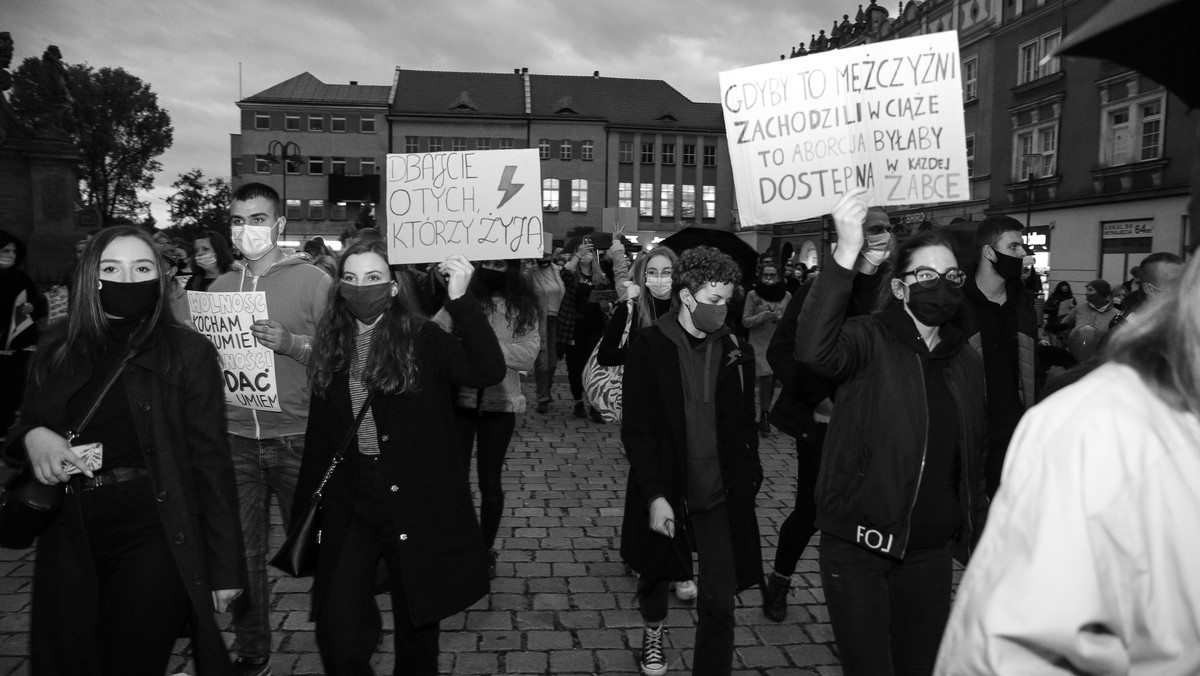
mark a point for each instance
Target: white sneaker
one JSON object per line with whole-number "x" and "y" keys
{"x": 686, "y": 590}
{"x": 654, "y": 661}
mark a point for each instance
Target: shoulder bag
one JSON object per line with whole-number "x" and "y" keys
{"x": 602, "y": 384}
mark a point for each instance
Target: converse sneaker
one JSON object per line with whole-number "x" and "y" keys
{"x": 244, "y": 666}
{"x": 774, "y": 594}
{"x": 686, "y": 590}
{"x": 654, "y": 660}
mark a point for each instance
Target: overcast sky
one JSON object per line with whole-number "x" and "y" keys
{"x": 189, "y": 51}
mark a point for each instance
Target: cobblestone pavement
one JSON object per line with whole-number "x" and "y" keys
{"x": 562, "y": 601}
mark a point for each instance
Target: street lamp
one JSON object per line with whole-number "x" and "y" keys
{"x": 287, "y": 152}
{"x": 1033, "y": 164}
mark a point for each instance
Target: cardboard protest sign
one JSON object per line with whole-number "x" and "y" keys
{"x": 887, "y": 116}
{"x": 481, "y": 204}
{"x": 247, "y": 366}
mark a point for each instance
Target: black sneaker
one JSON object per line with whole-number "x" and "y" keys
{"x": 775, "y": 593}
{"x": 596, "y": 417}
{"x": 244, "y": 666}
{"x": 543, "y": 406}
{"x": 492, "y": 556}
{"x": 580, "y": 410}
{"x": 654, "y": 660}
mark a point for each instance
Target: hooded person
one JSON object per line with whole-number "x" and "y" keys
{"x": 21, "y": 306}
{"x": 1097, "y": 311}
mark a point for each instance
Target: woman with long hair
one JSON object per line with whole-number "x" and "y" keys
{"x": 401, "y": 492}
{"x": 485, "y": 419}
{"x": 651, "y": 274}
{"x": 151, "y": 540}
{"x": 580, "y": 318}
{"x": 213, "y": 258}
{"x": 901, "y": 480}
{"x": 762, "y": 312}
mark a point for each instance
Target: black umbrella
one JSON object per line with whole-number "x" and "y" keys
{"x": 1131, "y": 33}
{"x": 742, "y": 253}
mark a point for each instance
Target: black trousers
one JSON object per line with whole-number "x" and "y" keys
{"x": 798, "y": 528}
{"x": 577, "y": 354}
{"x": 488, "y": 433}
{"x": 348, "y": 622}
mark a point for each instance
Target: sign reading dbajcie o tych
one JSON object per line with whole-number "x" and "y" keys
{"x": 484, "y": 205}
{"x": 887, "y": 116}
{"x": 247, "y": 367}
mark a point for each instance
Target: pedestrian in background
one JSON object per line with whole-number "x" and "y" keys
{"x": 150, "y": 541}
{"x": 901, "y": 478}
{"x": 547, "y": 281}
{"x": 690, "y": 436}
{"x": 213, "y": 259}
{"x": 401, "y": 493}
{"x": 22, "y": 306}
{"x": 580, "y": 318}
{"x": 760, "y": 315}
{"x": 486, "y": 418}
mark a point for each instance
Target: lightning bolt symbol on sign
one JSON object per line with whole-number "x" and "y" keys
{"x": 507, "y": 185}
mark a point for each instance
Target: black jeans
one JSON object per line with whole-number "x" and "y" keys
{"x": 494, "y": 431}
{"x": 142, "y": 603}
{"x": 713, "y": 653}
{"x": 577, "y": 355}
{"x": 798, "y": 528}
{"x": 348, "y": 622}
{"x": 887, "y": 615}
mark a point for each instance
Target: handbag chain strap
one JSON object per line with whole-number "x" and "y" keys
{"x": 341, "y": 452}
{"x": 75, "y": 431}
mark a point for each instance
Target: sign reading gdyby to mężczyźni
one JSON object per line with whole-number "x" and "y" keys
{"x": 247, "y": 366}
{"x": 887, "y": 116}
{"x": 481, "y": 204}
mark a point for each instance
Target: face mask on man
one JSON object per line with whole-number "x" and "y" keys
{"x": 366, "y": 303}
{"x": 708, "y": 318}
{"x": 1008, "y": 267}
{"x": 1096, "y": 300}
{"x": 934, "y": 306}
{"x": 254, "y": 241}
{"x": 874, "y": 252}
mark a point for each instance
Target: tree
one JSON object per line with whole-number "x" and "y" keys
{"x": 115, "y": 122}
{"x": 199, "y": 204}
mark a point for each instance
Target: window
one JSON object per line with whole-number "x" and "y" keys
{"x": 587, "y": 151}
{"x": 710, "y": 156}
{"x": 689, "y": 154}
{"x": 291, "y": 122}
{"x": 648, "y": 153}
{"x": 412, "y": 144}
{"x": 292, "y": 209}
{"x": 1131, "y": 131}
{"x": 646, "y": 200}
{"x": 435, "y": 144}
{"x": 261, "y": 165}
{"x": 1029, "y": 66}
{"x": 970, "y": 79}
{"x": 337, "y": 166}
{"x": 625, "y": 195}
{"x": 316, "y": 123}
{"x": 337, "y": 123}
{"x": 367, "y": 167}
{"x": 666, "y": 200}
{"x": 687, "y": 202}
{"x": 366, "y": 124}
{"x": 316, "y": 210}
{"x": 459, "y": 143}
{"x": 970, "y": 155}
{"x": 564, "y": 151}
{"x": 506, "y": 144}
{"x": 262, "y": 121}
{"x": 625, "y": 152}
{"x": 549, "y": 194}
{"x": 579, "y": 194}
{"x": 483, "y": 144}
{"x": 1041, "y": 140}
{"x": 292, "y": 166}
{"x": 668, "y": 153}
{"x": 338, "y": 213}
{"x": 544, "y": 148}
{"x": 316, "y": 165}
{"x": 708, "y": 193}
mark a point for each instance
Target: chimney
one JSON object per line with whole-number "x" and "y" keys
{"x": 596, "y": 74}
{"x": 524, "y": 71}
{"x": 354, "y": 82}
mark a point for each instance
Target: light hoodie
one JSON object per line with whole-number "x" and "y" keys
{"x": 296, "y": 293}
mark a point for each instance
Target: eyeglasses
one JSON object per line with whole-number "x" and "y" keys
{"x": 929, "y": 278}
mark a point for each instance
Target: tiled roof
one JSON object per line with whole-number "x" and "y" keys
{"x": 305, "y": 88}
{"x": 433, "y": 92}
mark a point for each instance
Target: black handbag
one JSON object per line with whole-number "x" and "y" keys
{"x": 28, "y": 506}
{"x": 297, "y": 556}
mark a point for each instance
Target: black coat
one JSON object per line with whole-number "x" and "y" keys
{"x": 176, "y": 395}
{"x": 442, "y": 550}
{"x": 655, "y": 438}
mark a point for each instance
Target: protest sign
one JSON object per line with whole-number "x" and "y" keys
{"x": 887, "y": 116}
{"x": 247, "y": 367}
{"x": 481, "y": 204}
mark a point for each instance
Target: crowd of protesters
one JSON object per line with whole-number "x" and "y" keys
{"x": 908, "y": 374}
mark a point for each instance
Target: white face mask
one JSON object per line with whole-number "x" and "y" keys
{"x": 7, "y": 260}
{"x": 659, "y": 286}
{"x": 875, "y": 251}
{"x": 207, "y": 261}
{"x": 254, "y": 241}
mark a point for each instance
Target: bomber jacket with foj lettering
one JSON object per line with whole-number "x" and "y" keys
{"x": 875, "y": 447}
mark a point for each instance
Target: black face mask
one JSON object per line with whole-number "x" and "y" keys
{"x": 935, "y": 306}
{"x": 1008, "y": 267}
{"x": 491, "y": 281}
{"x": 366, "y": 303}
{"x": 129, "y": 299}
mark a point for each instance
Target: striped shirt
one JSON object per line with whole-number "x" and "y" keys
{"x": 368, "y": 436}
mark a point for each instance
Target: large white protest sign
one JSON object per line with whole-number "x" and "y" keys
{"x": 247, "y": 366}
{"x": 887, "y": 116}
{"x": 481, "y": 204}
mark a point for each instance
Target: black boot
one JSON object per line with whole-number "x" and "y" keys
{"x": 764, "y": 425}
{"x": 775, "y": 593}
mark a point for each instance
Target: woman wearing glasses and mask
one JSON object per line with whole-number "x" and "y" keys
{"x": 901, "y": 480}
